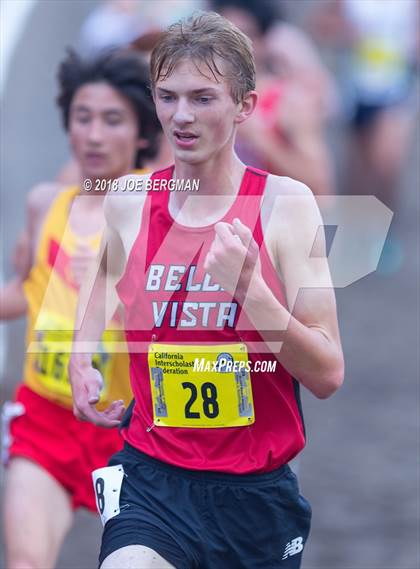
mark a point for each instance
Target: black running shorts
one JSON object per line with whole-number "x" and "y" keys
{"x": 208, "y": 520}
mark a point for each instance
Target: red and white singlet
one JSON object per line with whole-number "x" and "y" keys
{"x": 226, "y": 420}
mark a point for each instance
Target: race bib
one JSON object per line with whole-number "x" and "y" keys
{"x": 200, "y": 386}
{"x": 54, "y": 339}
{"x": 107, "y": 483}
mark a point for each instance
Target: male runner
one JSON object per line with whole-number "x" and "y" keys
{"x": 112, "y": 126}
{"x": 203, "y": 479}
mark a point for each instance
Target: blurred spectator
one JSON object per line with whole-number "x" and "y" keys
{"x": 122, "y": 22}
{"x": 114, "y": 24}
{"x": 286, "y": 133}
{"x": 379, "y": 38}
{"x": 291, "y": 54}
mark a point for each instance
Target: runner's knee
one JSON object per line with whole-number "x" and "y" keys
{"x": 135, "y": 557}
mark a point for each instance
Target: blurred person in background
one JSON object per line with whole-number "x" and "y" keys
{"x": 379, "y": 38}
{"x": 286, "y": 134}
{"x": 110, "y": 118}
{"x": 114, "y": 23}
{"x": 120, "y": 23}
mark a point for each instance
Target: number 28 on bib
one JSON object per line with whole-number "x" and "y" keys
{"x": 200, "y": 386}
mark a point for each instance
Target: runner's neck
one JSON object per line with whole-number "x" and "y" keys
{"x": 216, "y": 177}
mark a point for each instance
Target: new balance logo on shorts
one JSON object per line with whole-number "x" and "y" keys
{"x": 293, "y": 547}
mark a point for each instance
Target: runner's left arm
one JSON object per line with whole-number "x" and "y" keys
{"x": 311, "y": 348}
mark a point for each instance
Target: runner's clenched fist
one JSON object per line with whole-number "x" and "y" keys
{"x": 233, "y": 257}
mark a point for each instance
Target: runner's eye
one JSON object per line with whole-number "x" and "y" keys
{"x": 113, "y": 120}
{"x": 82, "y": 118}
{"x": 204, "y": 100}
{"x": 166, "y": 98}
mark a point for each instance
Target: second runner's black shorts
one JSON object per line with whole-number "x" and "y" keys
{"x": 208, "y": 520}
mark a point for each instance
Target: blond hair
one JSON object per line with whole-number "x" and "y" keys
{"x": 203, "y": 38}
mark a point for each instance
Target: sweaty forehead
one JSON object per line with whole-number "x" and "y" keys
{"x": 191, "y": 75}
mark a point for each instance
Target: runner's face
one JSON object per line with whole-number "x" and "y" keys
{"x": 197, "y": 113}
{"x": 103, "y": 131}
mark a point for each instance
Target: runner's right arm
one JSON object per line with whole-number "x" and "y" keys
{"x": 98, "y": 297}
{"x": 94, "y": 303}
{"x": 12, "y": 298}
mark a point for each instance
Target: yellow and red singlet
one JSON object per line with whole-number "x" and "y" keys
{"x": 52, "y": 295}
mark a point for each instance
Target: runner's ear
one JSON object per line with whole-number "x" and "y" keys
{"x": 246, "y": 106}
